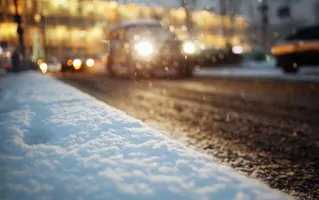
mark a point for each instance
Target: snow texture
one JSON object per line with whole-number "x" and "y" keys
{"x": 59, "y": 143}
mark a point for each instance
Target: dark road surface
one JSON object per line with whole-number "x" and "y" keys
{"x": 266, "y": 129}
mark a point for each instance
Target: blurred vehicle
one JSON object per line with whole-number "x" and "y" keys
{"x": 5, "y": 60}
{"x": 98, "y": 66}
{"x": 52, "y": 64}
{"x": 216, "y": 57}
{"x": 300, "y": 48}
{"x": 77, "y": 63}
{"x": 256, "y": 53}
{"x": 146, "y": 48}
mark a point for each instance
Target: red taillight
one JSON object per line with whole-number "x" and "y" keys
{"x": 96, "y": 61}
{"x": 7, "y": 66}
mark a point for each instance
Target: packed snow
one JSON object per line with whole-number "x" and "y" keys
{"x": 60, "y": 143}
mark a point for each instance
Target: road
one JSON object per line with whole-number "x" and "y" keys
{"x": 268, "y": 129}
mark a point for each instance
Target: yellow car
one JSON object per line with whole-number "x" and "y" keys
{"x": 301, "y": 48}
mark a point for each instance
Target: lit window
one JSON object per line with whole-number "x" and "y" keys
{"x": 61, "y": 3}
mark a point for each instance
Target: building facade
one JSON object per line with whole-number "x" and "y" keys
{"x": 80, "y": 25}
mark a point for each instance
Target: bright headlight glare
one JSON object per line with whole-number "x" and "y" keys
{"x": 43, "y": 67}
{"x": 189, "y": 48}
{"x": 144, "y": 48}
{"x": 90, "y": 62}
{"x": 237, "y": 50}
{"x": 77, "y": 63}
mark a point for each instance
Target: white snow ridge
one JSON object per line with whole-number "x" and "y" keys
{"x": 59, "y": 143}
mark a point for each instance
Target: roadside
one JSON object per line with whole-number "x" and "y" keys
{"x": 60, "y": 143}
{"x": 266, "y": 129}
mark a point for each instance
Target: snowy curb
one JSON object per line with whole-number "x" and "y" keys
{"x": 59, "y": 143}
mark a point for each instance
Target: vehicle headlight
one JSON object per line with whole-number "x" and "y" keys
{"x": 237, "y": 50}
{"x": 144, "y": 48}
{"x": 189, "y": 48}
{"x": 77, "y": 63}
{"x": 90, "y": 62}
{"x": 39, "y": 61}
{"x": 44, "y": 67}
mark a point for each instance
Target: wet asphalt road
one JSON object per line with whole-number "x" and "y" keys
{"x": 265, "y": 128}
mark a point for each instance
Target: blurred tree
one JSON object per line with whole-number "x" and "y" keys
{"x": 188, "y": 5}
{"x": 235, "y": 9}
{"x": 38, "y": 51}
{"x": 229, "y": 8}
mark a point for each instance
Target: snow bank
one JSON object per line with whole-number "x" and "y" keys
{"x": 59, "y": 143}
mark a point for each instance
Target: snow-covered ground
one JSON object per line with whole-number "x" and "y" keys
{"x": 60, "y": 143}
{"x": 252, "y": 69}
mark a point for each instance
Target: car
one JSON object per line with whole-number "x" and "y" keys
{"x": 300, "y": 48}
{"x": 51, "y": 64}
{"x": 77, "y": 63}
{"x": 212, "y": 57}
{"x": 145, "y": 48}
{"x": 96, "y": 63}
{"x": 5, "y": 60}
{"x": 257, "y": 54}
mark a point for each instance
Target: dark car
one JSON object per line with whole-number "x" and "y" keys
{"x": 146, "y": 48}
{"x": 50, "y": 64}
{"x": 5, "y": 61}
{"x": 216, "y": 57}
{"x": 77, "y": 63}
{"x": 300, "y": 48}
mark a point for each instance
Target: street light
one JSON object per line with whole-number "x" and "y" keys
{"x": 18, "y": 20}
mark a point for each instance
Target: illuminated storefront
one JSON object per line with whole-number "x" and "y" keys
{"x": 80, "y": 25}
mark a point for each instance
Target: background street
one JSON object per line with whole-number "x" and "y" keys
{"x": 266, "y": 128}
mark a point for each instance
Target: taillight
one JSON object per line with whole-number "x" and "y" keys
{"x": 70, "y": 62}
